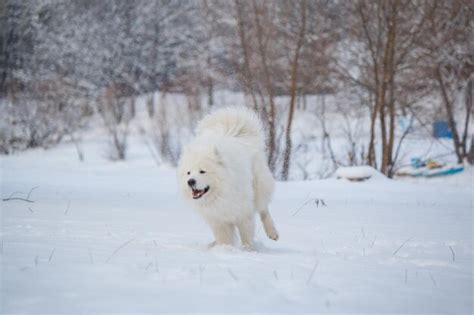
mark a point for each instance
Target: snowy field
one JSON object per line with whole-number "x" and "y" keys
{"x": 103, "y": 237}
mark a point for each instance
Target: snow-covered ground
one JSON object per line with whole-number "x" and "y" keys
{"x": 105, "y": 237}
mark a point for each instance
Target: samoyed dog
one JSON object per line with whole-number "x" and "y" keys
{"x": 223, "y": 173}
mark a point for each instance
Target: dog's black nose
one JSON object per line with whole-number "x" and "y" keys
{"x": 191, "y": 182}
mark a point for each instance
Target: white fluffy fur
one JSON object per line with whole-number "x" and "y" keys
{"x": 229, "y": 148}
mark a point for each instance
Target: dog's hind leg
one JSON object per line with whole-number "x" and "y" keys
{"x": 263, "y": 185}
{"x": 268, "y": 225}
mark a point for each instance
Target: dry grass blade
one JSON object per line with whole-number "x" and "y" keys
{"x": 232, "y": 275}
{"x": 312, "y": 272}
{"x": 67, "y": 209}
{"x": 27, "y": 199}
{"x": 452, "y": 253}
{"x": 51, "y": 255}
{"x": 401, "y": 246}
{"x": 119, "y": 248}
{"x": 316, "y": 201}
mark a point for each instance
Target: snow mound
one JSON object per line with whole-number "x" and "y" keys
{"x": 359, "y": 173}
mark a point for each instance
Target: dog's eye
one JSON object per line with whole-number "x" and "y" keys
{"x": 189, "y": 173}
{"x": 202, "y": 172}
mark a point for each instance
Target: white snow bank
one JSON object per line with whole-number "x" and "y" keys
{"x": 359, "y": 173}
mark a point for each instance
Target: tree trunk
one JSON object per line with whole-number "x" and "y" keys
{"x": 150, "y": 105}
{"x": 269, "y": 86}
{"x": 293, "y": 90}
{"x": 371, "y": 160}
{"x": 470, "y": 154}
{"x": 387, "y": 83}
{"x": 448, "y": 106}
{"x": 247, "y": 75}
{"x": 132, "y": 107}
{"x": 210, "y": 92}
{"x": 371, "y": 156}
{"x": 468, "y": 108}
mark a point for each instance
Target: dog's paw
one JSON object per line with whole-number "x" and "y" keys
{"x": 248, "y": 247}
{"x": 211, "y": 245}
{"x": 272, "y": 234}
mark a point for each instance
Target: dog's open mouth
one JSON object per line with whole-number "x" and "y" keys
{"x": 198, "y": 193}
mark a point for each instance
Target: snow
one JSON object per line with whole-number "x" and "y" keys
{"x": 106, "y": 237}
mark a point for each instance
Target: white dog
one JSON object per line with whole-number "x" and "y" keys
{"x": 225, "y": 176}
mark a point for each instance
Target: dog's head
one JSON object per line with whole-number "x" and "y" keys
{"x": 200, "y": 170}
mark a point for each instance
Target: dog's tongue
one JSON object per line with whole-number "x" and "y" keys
{"x": 196, "y": 192}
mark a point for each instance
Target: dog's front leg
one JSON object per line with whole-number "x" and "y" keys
{"x": 223, "y": 233}
{"x": 247, "y": 230}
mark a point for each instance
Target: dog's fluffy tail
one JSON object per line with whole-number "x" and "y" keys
{"x": 235, "y": 121}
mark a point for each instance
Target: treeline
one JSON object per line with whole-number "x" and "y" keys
{"x": 63, "y": 61}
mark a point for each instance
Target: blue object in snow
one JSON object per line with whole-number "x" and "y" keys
{"x": 441, "y": 129}
{"x": 417, "y": 163}
{"x": 444, "y": 171}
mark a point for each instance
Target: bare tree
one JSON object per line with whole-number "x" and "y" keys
{"x": 264, "y": 30}
{"x": 449, "y": 66}
{"x": 386, "y": 57}
{"x": 258, "y": 62}
{"x": 115, "y": 110}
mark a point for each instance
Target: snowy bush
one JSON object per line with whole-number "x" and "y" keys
{"x": 117, "y": 108}
{"x": 41, "y": 116}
